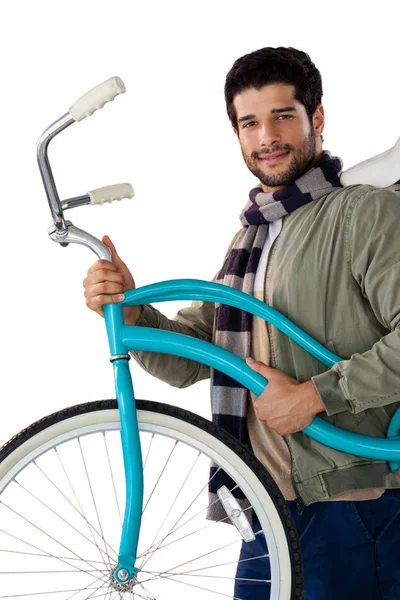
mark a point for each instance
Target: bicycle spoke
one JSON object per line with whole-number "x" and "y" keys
{"x": 43, "y": 555}
{"x": 92, "y": 595}
{"x": 118, "y": 594}
{"x": 148, "y": 452}
{"x": 166, "y": 573}
{"x": 112, "y": 479}
{"x": 105, "y": 577}
{"x": 81, "y": 511}
{"x": 235, "y": 562}
{"x": 49, "y": 571}
{"x": 78, "y": 510}
{"x": 159, "y": 477}
{"x": 185, "y": 523}
{"x": 148, "y": 596}
{"x": 94, "y": 501}
{"x": 45, "y": 533}
{"x": 191, "y": 504}
{"x": 172, "y": 575}
{"x": 169, "y": 512}
{"x": 208, "y": 526}
{"x": 45, "y": 594}
{"x": 48, "y": 555}
{"x": 140, "y": 596}
{"x": 204, "y": 589}
{"x": 172, "y": 530}
{"x": 58, "y": 515}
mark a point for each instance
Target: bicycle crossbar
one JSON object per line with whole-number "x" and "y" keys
{"x": 153, "y": 340}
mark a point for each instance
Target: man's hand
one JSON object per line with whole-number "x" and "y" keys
{"x": 106, "y": 283}
{"x": 286, "y": 405}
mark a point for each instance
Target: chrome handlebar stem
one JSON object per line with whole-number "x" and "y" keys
{"x": 46, "y": 172}
{"x": 62, "y": 231}
{"x": 74, "y": 235}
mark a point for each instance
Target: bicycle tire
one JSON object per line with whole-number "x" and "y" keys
{"x": 74, "y": 422}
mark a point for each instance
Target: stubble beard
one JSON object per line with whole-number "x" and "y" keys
{"x": 302, "y": 159}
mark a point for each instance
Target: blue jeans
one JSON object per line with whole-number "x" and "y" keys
{"x": 351, "y": 551}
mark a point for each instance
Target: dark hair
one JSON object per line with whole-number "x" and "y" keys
{"x": 275, "y": 65}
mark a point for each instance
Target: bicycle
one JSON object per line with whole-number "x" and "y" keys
{"x": 62, "y": 478}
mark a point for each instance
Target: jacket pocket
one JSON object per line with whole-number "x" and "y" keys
{"x": 351, "y": 422}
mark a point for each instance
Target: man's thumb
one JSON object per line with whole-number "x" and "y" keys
{"x": 106, "y": 240}
{"x": 259, "y": 366}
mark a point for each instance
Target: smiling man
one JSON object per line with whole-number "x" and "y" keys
{"x": 327, "y": 257}
{"x": 277, "y": 140}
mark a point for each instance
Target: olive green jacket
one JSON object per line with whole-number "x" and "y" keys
{"x": 335, "y": 271}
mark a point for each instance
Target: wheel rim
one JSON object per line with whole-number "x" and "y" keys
{"x": 44, "y": 495}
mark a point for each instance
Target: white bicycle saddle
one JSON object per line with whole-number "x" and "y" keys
{"x": 382, "y": 170}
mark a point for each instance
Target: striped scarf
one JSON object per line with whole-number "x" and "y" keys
{"x": 233, "y": 327}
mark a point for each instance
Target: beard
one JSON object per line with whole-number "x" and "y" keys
{"x": 302, "y": 159}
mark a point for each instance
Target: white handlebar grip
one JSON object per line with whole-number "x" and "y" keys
{"x": 97, "y": 98}
{"x": 111, "y": 193}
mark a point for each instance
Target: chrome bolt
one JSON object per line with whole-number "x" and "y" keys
{"x": 123, "y": 574}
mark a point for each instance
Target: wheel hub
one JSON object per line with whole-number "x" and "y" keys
{"x": 123, "y": 586}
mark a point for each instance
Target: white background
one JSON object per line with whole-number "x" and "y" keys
{"x": 170, "y": 137}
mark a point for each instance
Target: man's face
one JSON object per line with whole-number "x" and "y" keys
{"x": 278, "y": 142}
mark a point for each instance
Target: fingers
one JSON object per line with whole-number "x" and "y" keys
{"x": 102, "y": 288}
{"x": 97, "y": 275}
{"x": 104, "y": 284}
{"x": 97, "y": 302}
{"x": 102, "y": 264}
{"x": 103, "y": 292}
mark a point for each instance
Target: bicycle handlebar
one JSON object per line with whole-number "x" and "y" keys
{"x": 64, "y": 232}
{"x": 96, "y": 98}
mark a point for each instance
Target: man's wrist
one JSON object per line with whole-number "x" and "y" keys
{"x": 311, "y": 393}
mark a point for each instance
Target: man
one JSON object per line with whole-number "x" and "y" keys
{"x": 327, "y": 257}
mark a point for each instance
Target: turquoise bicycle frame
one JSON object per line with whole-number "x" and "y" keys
{"x": 123, "y": 338}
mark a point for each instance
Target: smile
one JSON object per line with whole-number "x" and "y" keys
{"x": 271, "y": 159}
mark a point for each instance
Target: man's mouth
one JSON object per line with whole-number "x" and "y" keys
{"x": 273, "y": 158}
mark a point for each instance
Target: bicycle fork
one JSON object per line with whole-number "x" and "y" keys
{"x": 126, "y": 570}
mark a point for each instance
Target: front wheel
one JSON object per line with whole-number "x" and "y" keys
{"x": 62, "y": 497}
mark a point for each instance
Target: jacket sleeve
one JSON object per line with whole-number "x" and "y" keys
{"x": 371, "y": 379}
{"x": 196, "y": 321}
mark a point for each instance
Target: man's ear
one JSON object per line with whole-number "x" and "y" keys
{"x": 319, "y": 119}
{"x": 235, "y": 131}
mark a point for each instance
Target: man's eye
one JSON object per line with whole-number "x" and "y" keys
{"x": 285, "y": 117}
{"x": 250, "y": 124}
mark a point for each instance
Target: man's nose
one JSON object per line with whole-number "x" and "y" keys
{"x": 269, "y": 135}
